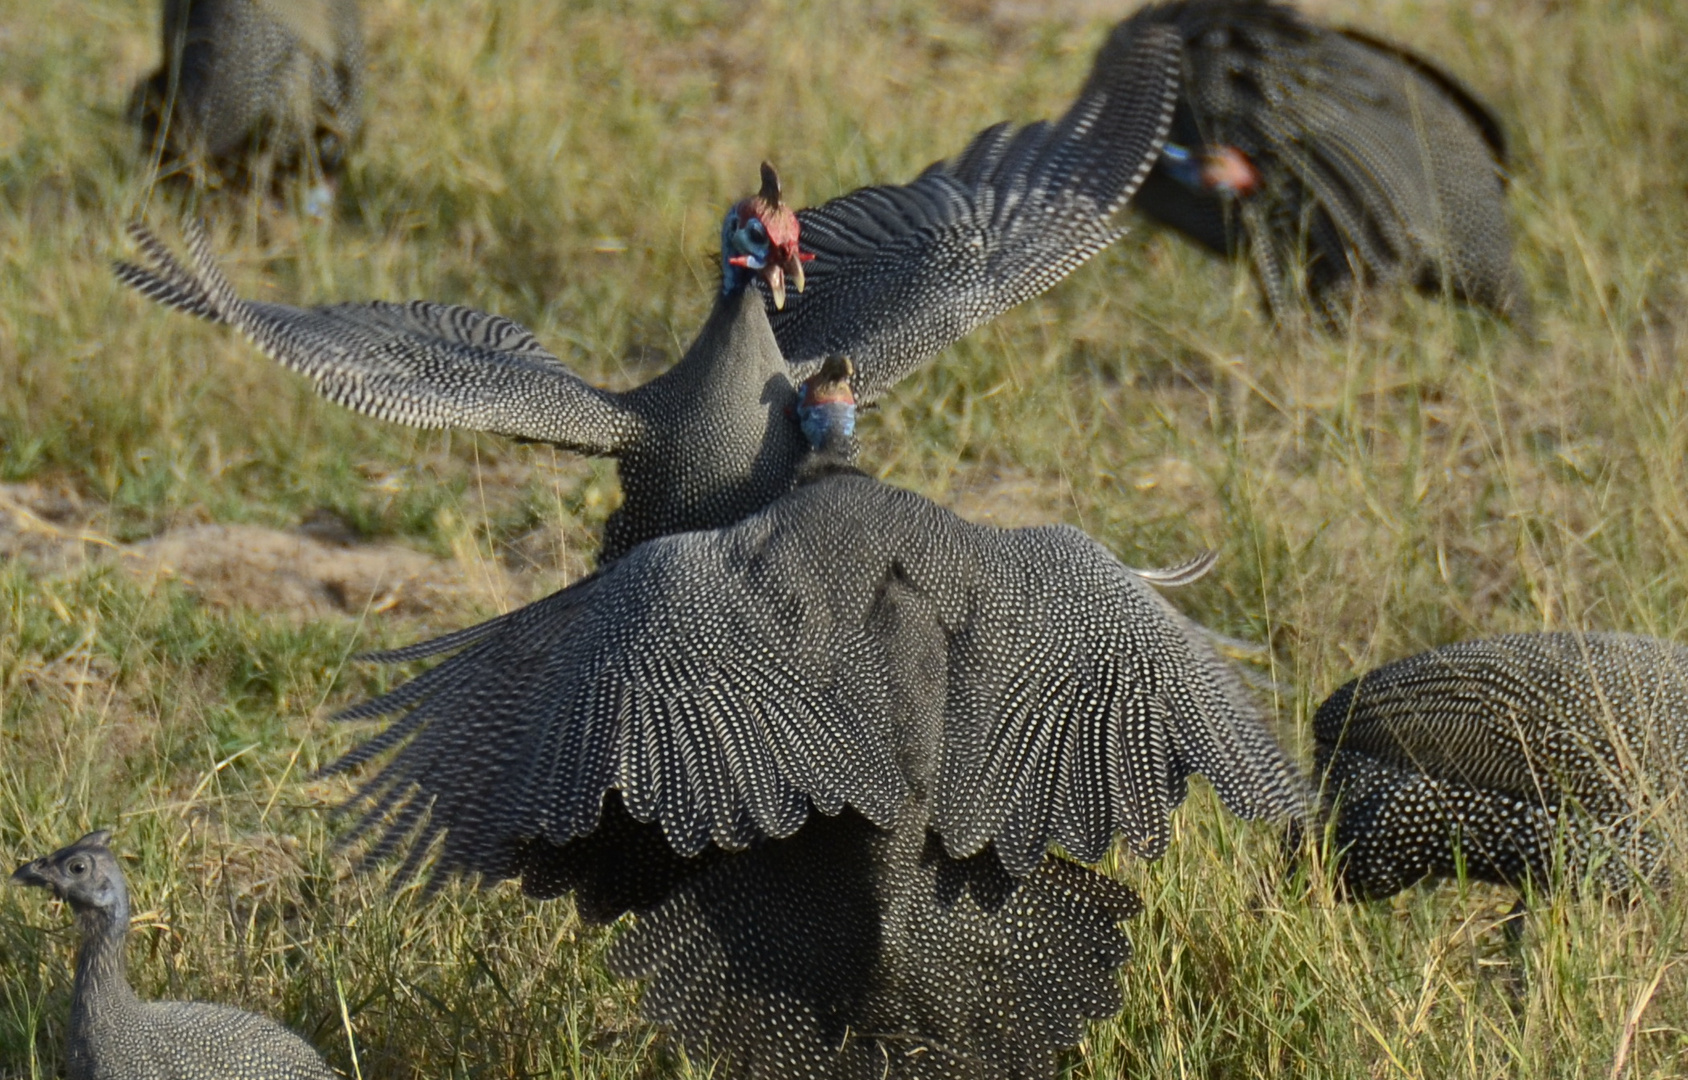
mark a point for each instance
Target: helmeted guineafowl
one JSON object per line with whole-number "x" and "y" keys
{"x": 1334, "y": 153}
{"x": 254, "y": 86}
{"x": 823, "y": 754}
{"x": 897, "y": 274}
{"x": 1514, "y": 756}
{"x": 114, "y": 1035}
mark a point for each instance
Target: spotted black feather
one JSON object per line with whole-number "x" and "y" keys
{"x": 1510, "y": 757}
{"x": 901, "y": 272}
{"x": 1374, "y": 166}
{"x": 707, "y": 442}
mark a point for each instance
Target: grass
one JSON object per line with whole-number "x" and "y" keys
{"x": 1428, "y": 477}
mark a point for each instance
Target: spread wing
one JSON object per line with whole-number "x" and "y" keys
{"x": 422, "y": 364}
{"x": 901, "y": 272}
{"x": 1079, "y": 703}
{"x": 726, "y": 682}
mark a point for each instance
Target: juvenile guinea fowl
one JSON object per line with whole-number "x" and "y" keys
{"x": 1518, "y": 755}
{"x": 823, "y": 754}
{"x": 249, "y": 87}
{"x": 891, "y": 275}
{"x": 1333, "y": 158}
{"x": 114, "y": 1035}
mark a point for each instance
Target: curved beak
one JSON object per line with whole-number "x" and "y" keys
{"x": 30, "y": 873}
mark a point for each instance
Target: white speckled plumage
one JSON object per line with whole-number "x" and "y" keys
{"x": 898, "y": 274}
{"x": 824, "y": 753}
{"x": 1375, "y": 167}
{"x": 1511, "y": 756}
{"x": 116, "y": 1036}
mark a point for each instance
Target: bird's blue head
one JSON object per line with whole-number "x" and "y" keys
{"x": 1223, "y": 169}
{"x": 759, "y": 238}
{"x": 826, "y": 406}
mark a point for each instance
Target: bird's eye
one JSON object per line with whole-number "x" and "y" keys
{"x": 78, "y": 867}
{"x": 751, "y": 239}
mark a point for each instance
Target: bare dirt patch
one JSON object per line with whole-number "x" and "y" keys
{"x": 311, "y": 572}
{"x": 272, "y": 569}
{"x": 47, "y": 525}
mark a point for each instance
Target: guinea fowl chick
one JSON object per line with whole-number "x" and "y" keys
{"x": 114, "y": 1035}
{"x": 1513, "y": 757}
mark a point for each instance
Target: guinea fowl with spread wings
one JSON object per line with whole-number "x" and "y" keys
{"x": 824, "y": 753}
{"x": 896, "y": 274}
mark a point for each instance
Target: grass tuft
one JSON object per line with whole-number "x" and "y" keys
{"x": 1430, "y": 476}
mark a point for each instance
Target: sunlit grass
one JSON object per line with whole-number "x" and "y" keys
{"x": 1428, "y": 477}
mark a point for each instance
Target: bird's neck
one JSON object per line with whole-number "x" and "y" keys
{"x": 732, "y": 370}
{"x": 736, "y": 344}
{"x": 721, "y": 438}
{"x": 101, "y": 971}
{"x": 837, "y": 455}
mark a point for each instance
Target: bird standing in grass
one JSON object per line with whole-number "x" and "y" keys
{"x": 1336, "y": 160}
{"x": 250, "y": 90}
{"x": 1533, "y": 757}
{"x": 114, "y": 1035}
{"x": 823, "y": 754}
{"x": 885, "y": 275}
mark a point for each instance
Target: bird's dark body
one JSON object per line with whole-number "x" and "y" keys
{"x": 1531, "y": 757}
{"x": 849, "y": 950}
{"x": 254, "y": 86}
{"x": 1376, "y": 168}
{"x": 823, "y": 754}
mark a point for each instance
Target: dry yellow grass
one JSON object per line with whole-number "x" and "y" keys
{"x": 1428, "y": 477}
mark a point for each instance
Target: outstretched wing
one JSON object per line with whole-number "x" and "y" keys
{"x": 1080, "y": 702}
{"x": 1522, "y": 714}
{"x": 901, "y": 272}
{"x": 422, "y": 364}
{"x": 843, "y": 647}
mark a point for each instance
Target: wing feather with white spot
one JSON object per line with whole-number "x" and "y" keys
{"x": 423, "y": 364}
{"x": 901, "y": 272}
{"x": 728, "y": 682}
